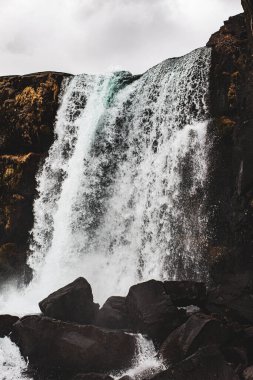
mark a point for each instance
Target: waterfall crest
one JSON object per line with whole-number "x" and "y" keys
{"x": 122, "y": 191}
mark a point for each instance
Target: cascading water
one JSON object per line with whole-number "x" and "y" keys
{"x": 121, "y": 194}
{"x": 122, "y": 191}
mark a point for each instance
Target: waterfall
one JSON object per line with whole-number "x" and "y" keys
{"x": 121, "y": 195}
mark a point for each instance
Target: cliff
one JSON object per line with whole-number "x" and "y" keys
{"x": 28, "y": 106}
{"x": 231, "y": 174}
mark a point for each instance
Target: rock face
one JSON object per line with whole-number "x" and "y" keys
{"x": 199, "y": 331}
{"x": 51, "y": 344}
{"x": 28, "y": 106}
{"x": 233, "y": 297}
{"x": 186, "y": 293}
{"x": 151, "y": 310}
{"x": 6, "y": 323}
{"x": 207, "y": 363}
{"x": 72, "y": 303}
{"x": 231, "y": 175}
{"x": 113, "y": 314}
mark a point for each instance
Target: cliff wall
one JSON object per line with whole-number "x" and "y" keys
{"x": 28, "y": 106}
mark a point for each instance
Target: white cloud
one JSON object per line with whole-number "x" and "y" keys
{"x": 96, "y": 35}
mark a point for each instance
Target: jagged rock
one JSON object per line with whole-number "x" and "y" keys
{"x": 230, "y": 192}
{"x": 6, "y": 323}
{"x": 72, "y": 303}
{"x": 206, "y": 364}
{"x": 28, "y": 105}
{"x": 198, "y": 331}
{"x": 92, "y": 376}
{"x": 151, "y": 310}
{"x": 113, "y": 314}
{"x": 185, "y": 293}
{"x": 233, "y": 297}
{"x": 52, "y": 344}
{"x": 248, "y": 373}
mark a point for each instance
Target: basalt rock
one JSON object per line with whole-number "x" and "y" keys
{"x": 6, "y": 323}
{"x": 185, "y": 293}
{"x": 73, "y": 348}
{"x": 28, "y": 106}
{"x": 72, "y": 303}
{"x": 207, "y": 363}
{"x": 113, "y": 314}
{"x": 151, "y": 311}
{"x": 231, "y": 156}
{"x": 233, "y": 298}
{"x": 92, "y": 376}
{"x": 198, "y": 331}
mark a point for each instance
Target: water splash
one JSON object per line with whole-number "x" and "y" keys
{"x": 12, "y": 365}
{"x": 145, "y": 364}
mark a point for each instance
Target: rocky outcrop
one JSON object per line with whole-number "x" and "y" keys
{"x": 151, "y": 311}
{"x": 28, "y": 106}
{"x": 231, "y": 175}
{"x": 113, "y": 314}
{"x": 6, "y": 324}
{"x": 73, "y": 348}
{"x": 207, "y": 363}
{"x": 72, "y": 303}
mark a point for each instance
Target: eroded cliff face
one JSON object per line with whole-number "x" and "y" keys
{"x": 28, "y": 106}
{"x": 231, "y": 177}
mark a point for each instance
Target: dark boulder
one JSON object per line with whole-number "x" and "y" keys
{"x": 52, "y": 344}
{"x": 206, "y": 364}
{"x": 233, "y": 297}
{"x": 72, "y": 303}
{"x": 151, "y": 310}
{"x": 185, "y": 293}
{"x": 6, "y": 323}
{"x": 248, "y": 373}
{"x": 92, "y": 376}
{"x": 198, "y": 331}
{"x": 113, "y": 314}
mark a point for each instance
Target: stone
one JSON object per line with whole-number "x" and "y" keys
{"x": 186, "y": 293}
{"x": 198, "y": 331}
{"x": 205, "y": 364}
{"x": 151, "y": 310}
{"x": 233, "y": 297}
{"x": 92, "y": 376}
{"x": 248, "y": 373}
{"x": 6, "y": 323}
{"x": 113, "y": 314}
{"x": 72, "y": 303}
{"x": 52, "y": 344}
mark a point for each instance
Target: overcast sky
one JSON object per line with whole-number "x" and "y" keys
{"x": 95, "y": 36}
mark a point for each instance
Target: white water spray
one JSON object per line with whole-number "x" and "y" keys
{"x": 12, "y": 365}
{"x": 121, "y": 194}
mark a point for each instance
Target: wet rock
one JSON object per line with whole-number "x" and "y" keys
{"x": 233, "y": 298}
{"x": 248, "y": 373}
{"x": 113, "y": 314}
{"x": 6, "y": 323}
{"x": 52, "y": 344}
{"x": 92, "y": 376}
{"x": 151, "y": 310}
{"x": 206, "y": 364}
{"x": 198, "y": 331}
{"x": 185, "y": 293}
{"x": 72, "y": 303}
{"x": 28, "y": 106}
